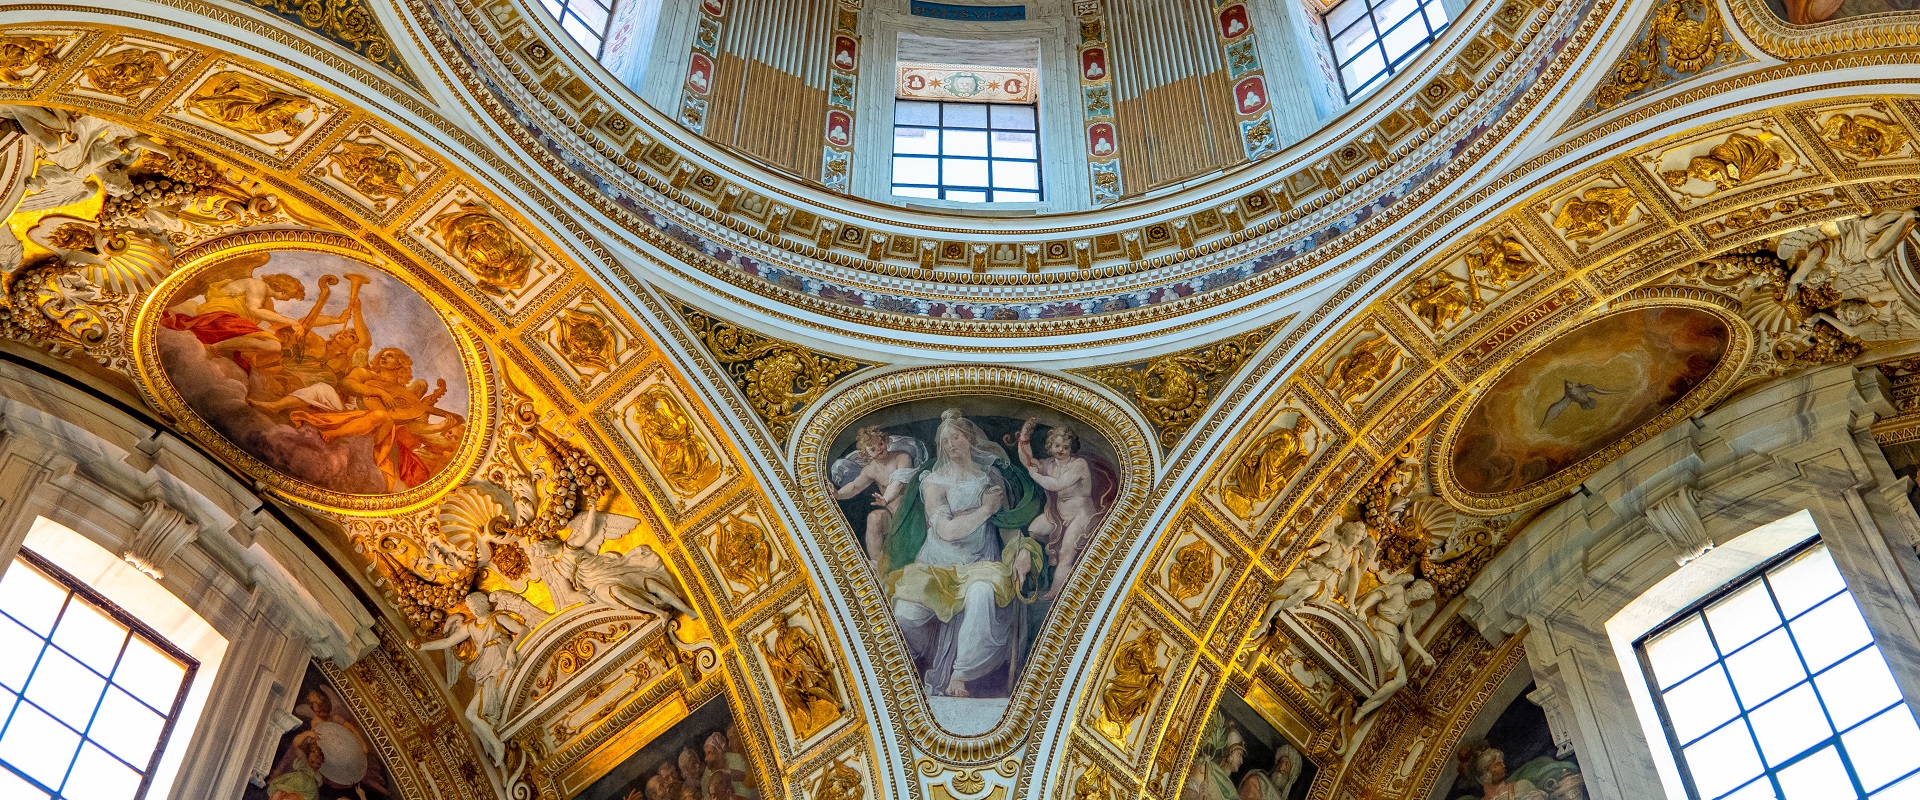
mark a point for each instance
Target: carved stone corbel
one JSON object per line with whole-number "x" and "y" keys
{"x": 163, "y": 531}
{"x": 1677, "y": 519}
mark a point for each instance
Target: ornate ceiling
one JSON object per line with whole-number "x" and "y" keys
{"x": 575, "y": 396}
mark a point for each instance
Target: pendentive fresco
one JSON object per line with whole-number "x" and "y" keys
{"x": 1227, "y": 550}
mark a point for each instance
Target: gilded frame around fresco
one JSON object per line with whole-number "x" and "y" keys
{"x": 1044, "y": 674}
{"x": 163, "y": 396}
{"x": 1724, "y": 375}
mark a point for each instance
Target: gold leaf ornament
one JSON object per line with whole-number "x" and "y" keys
{"x": 1863, "y": 137}
{"x": 585, "y": 339}
{"x": 127, "y": 73}
{"x": 1255, "y": 478}
{"x": 1191, "y": 570}
{"x": 805, "y": 679}
{"x": 1595, "y": 212}
{"x": 1137, "y": 679}
{"x": 246, "y": 104}
{"x": 20, "y": 55}
{"x": 375, "y": 170}
{"x": 486, "y": 247}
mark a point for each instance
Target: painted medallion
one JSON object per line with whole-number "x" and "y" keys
{"x": 327, "y": 377}
{"x": 1604, "y": 383}
{"x": 973, "y": 512}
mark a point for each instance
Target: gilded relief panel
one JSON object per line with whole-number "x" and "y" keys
{"x": 1147, "y": 659}
{"x": 679, "y": 459}
{"x": 131, "y": 71}
{"x": 486, "y": 248}
{"x": 29, "y": 56}
{"x": 807, "y": 696}
{"x": 1863, "y": 135}
{"x": 743, "y": 555}
{"x": 585, "y": 340}
{"x": 266, "y": 114}
{"x": 1270, "y": 460}
{"x": 1195, "y": 565}
{"x": 1706, "y": 167}
{"x": 1592, "y": 216}
{"x": 1495, "y": 266}
{"x": 374, "y": 169}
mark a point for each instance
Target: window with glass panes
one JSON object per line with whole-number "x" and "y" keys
{"x": 584, "y": 20}
{"x": 1375, "y": 38}
{"x": 969, "y": 152}
{"x": 1773, "y": 687}
{"x": 88, "y": 695}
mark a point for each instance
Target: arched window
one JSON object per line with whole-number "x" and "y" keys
{"x": 1772, "y": 686}
{"x": 96, "y": 702}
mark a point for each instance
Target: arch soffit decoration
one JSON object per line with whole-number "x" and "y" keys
{"x": 1361, "y": 449}
{"x": 566, "y": 399}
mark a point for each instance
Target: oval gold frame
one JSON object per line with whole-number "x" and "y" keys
{"x": 1071, "y": 616}
{"x": 158, "y": 386}
{"x": 1740, "y": 341}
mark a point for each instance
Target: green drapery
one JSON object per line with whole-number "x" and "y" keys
{"x": 1025, "y": 501}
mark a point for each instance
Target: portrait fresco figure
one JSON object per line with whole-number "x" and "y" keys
{"x": 1517, "y": 760}
{"x": 958, "y": 558}
{"x": 1242, "y": 757}
{"x": 327, "y": 756}
{"x": 365, "y": 398}
{"x": 880, "y": 465}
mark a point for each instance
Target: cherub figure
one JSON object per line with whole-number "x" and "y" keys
{"x": 1075, "y": 503}
{"x": 884, "y": 464}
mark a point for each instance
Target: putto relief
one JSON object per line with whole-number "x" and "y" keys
{"x": 973, "y": 513}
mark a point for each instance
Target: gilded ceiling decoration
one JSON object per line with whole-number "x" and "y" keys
{"x": 346, "y": 318}
{"x": 365, "y": 326}
{"x": 1173, "y": 391}
{"x": 778, "y": 380}
{"x": 1761, "y": 244}
{"x": 349, "y": 23}
{"x": 1680, "y": 40}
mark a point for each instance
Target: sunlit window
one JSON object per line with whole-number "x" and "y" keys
{"x": 88, "y": 695}
{"x": 967, "y": 152}
{"x": 1375, "y": 38}
{"x": 584, "y": 20}
{"x": 1773, "y": 687}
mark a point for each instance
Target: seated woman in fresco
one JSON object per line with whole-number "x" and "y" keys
{"x": 958, "y": 562}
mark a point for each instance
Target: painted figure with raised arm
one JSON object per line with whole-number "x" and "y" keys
{"x": 957, "y": 563}
{"x": 1080, "y": 489}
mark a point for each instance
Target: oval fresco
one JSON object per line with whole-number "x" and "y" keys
{"x": 973, "y": 511}
{"x": 326, "y": 377}
{"x": 1609, "y": 382}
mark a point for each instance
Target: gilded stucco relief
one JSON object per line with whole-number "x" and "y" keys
{"x": 1782, "y": 242}
{"x": 334, "y": 310}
